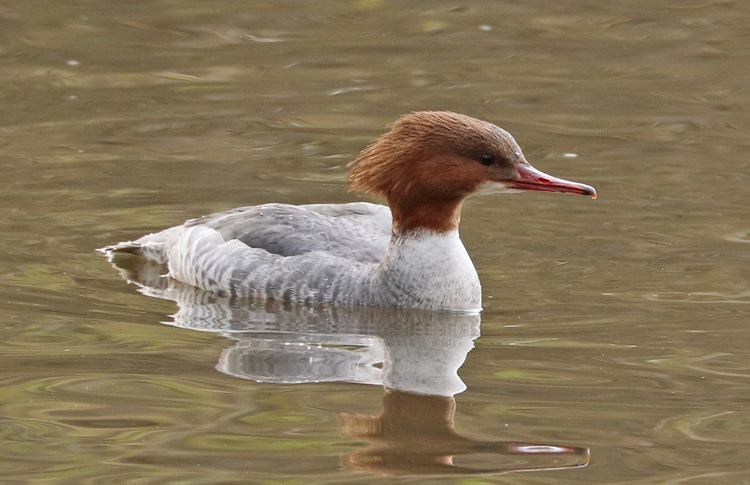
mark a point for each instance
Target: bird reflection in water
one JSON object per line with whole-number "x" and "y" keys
{"x": 414, "y": 355}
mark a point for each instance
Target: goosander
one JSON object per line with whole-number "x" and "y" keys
{"x": 408, "y": 255}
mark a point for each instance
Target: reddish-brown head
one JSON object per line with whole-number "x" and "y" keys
{"x": 430, "y": 161}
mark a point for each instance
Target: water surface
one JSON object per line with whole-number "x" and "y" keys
{"x": 612, "y": 348}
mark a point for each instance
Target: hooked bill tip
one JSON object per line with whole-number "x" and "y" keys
{"x": 589, "y": 191}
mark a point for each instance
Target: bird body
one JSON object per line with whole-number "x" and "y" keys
{"x": 406, "y": 255}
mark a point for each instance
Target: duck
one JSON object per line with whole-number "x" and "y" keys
{"x": 405, "y": 254}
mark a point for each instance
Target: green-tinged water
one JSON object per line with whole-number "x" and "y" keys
{"x": 613, "y": 344}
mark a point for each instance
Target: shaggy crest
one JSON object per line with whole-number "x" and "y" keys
{"x": 380, "y": 168}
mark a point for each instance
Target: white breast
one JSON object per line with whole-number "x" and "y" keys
{"x": 432, "y": 267}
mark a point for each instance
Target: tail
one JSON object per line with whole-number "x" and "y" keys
{"x": 130, "y": 247}
{"x": 151, "y": 246}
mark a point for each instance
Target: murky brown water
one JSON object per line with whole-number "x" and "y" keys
{"x": 615, "y": 331}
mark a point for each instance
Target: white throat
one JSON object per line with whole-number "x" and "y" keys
{"x": 489, "y": 187}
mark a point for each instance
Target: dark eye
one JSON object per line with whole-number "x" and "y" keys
{"x": 487, "y": 159}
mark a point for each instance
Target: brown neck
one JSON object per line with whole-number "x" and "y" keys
{"x": 438, "y": 216}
